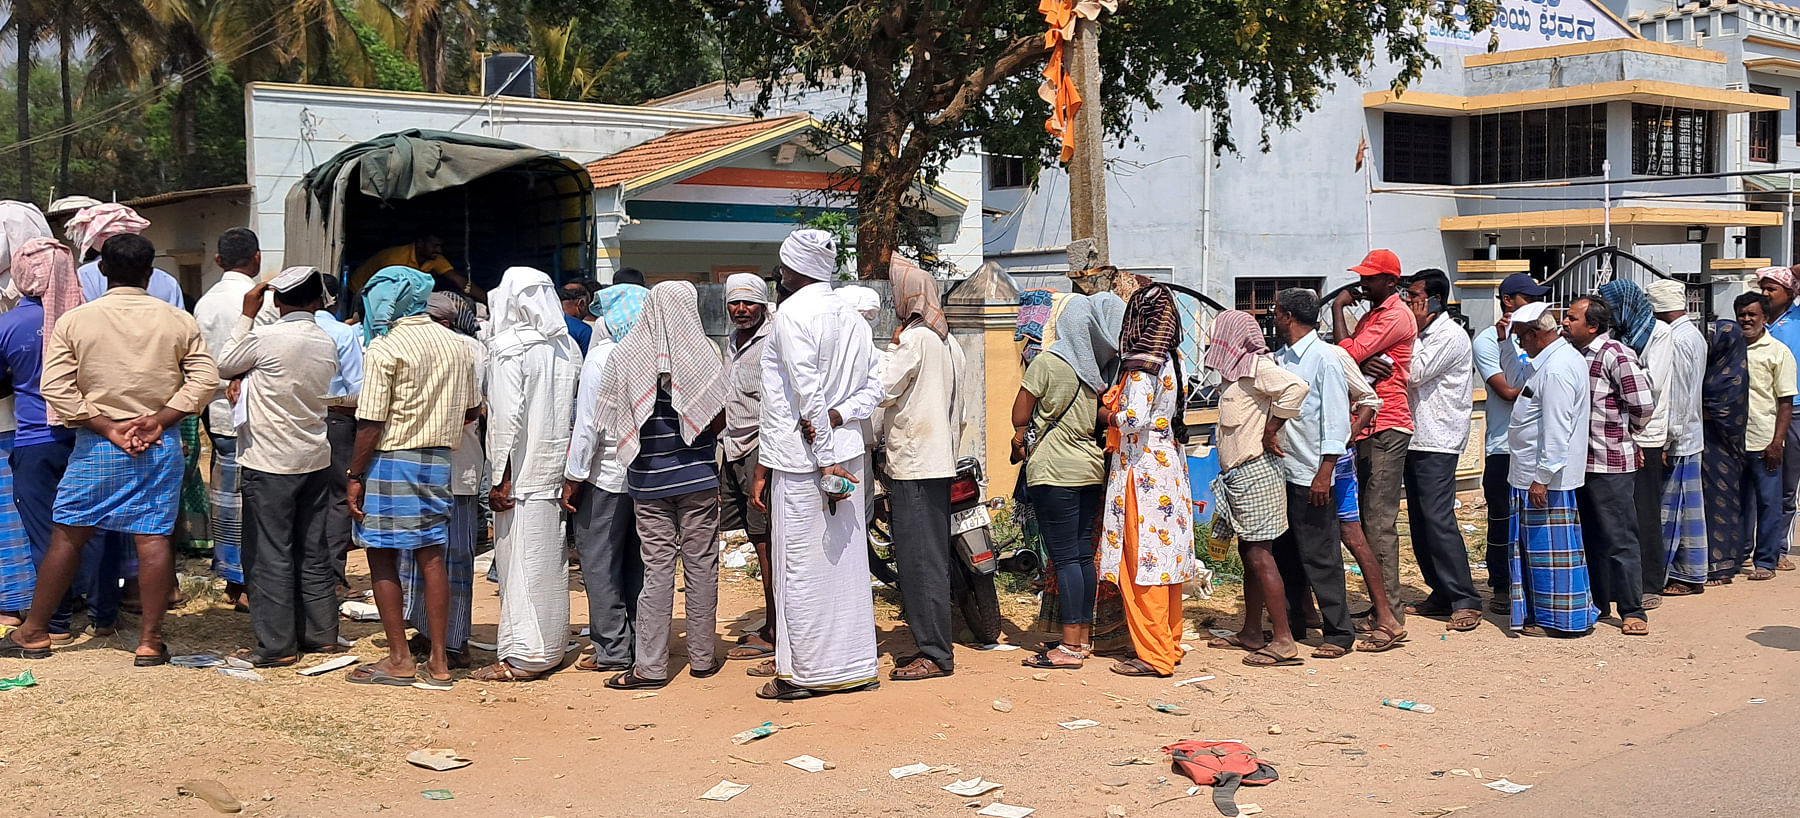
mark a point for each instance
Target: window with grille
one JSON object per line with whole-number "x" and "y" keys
{"x": 1673, "y": 141}
{"x": 1530, "y": 146}
{"x": 1415, "y": 148}
{"x": 1006, "y": 171}
{"x": 1765, "y": 130}
{"x": 1257, "y": 295}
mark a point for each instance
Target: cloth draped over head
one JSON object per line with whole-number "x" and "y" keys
{"x": 862, "y": 299}
{"x": 916, "y": 297}
{"x": 619, "y": 307}
{"x": 746, "y": 287}
{"x": 44, "y": 269}
{"x": 1034, "y": 314}
{"x": 668, "y": 339}
{"x": 1668, "y": 295}
{"x": 1631, "y": 312}
{"x": 1780, "y": 275}
{"x": 1087, "y": 338}
{"x": 526, "y": 309}
{"x": 91, "y": 227}
{"x": 1152, "y": 329}
{"x": 20, "y": 222}
{"x": 1725, "y": 389}
{"x": 454, "y": 309}
{"x": 391, "y": 294}
{"x": 811, "y": 253}
{"x": 1236, "y": 342}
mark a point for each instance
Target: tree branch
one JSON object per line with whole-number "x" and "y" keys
{"x": 1021, "y": 54}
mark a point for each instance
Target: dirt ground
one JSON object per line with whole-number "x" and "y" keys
{"x": 96, "y": 737}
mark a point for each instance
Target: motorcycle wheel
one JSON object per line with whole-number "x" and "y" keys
{"x": 879, "y": 529}
{"x": 979, "y": 602}
{"x": 883, "y": 570}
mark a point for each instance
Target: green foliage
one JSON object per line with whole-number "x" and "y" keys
{"x": 393, "y": 71}
{"x": 635, "y": 51}
{"x": 842, "y": 228}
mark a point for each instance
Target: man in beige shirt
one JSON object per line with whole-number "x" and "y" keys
{"x": 285, "y": 460}
{"x": 123, "y": 370}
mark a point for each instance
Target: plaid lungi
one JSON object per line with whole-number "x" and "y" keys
{"x": 459, "y": 560}
{"x": 108, "y": 489}
{"x": 16, "y": 573}
{"x": 227, "y": 510}
{"x": 1546, "y": 542}
{"x": 1252, "y": 501}
{"x": 1684, "y": 521}
{"x": 406, "y": 500}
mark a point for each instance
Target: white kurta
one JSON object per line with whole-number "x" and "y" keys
{"x": 819, "y": 357}
{"x": 531, "y": 406}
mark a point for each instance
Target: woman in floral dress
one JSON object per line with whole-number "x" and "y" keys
{"x": 1148, "y": 546}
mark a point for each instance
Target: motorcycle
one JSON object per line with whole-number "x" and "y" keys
{"x": 977, "y": 560}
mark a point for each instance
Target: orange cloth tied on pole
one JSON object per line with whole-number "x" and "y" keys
{"x": 1059, "y": 88}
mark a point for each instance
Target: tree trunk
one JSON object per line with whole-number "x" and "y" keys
{"x": 885, "y": 180}
{"x": 65, "y": 43}
{"x": 27, "y": 35}
{"x": 182, "y": 134}
{"x": 431, "y": 54}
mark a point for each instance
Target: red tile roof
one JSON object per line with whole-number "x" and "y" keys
{"x": 676, "y": 147}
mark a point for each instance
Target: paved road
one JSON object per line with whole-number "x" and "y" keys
{"x": 1737, "y": 764}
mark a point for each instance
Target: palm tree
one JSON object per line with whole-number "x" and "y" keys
{"x": 564, "y": 70}
{"x": 426, "y": 24}
{"x": 118, "y": 37}
{"x": 25, "y": 22}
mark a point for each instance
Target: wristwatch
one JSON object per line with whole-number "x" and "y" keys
{"x": 355, "y": 475}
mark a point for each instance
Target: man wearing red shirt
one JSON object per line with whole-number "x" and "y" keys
{"x": 1382, "y": 344}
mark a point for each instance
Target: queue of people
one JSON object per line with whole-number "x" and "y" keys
{"x": 603, "y": 421}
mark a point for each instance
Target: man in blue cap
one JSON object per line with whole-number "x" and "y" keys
{"x": 1516, "y": 291}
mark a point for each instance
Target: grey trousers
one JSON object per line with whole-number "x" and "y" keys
{"x": 1437, "y": 542}
{"x": 340, "y": 431}
{"x": 287, "y": 566}
{"x": 922, "y": 555}
{"x": 1609, "y": 535}
{"x": 1380, "y": 462}
{"x": 611, "y": 569}
{"x": 1310, "y": 557}
{"x": 686, "y": 526}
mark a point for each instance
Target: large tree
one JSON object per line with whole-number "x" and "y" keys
{"x": 935, "y": 73}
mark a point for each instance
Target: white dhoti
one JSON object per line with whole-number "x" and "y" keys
{"x": 824, "y": 605}
{"x": 534, "y": 584}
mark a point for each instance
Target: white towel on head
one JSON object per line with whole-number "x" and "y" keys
{"x": 811, "y": 253}
{"x": 1667, "y": 295}
{"x": 746, "y": 287}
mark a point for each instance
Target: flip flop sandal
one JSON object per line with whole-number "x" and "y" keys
{"x": 1679, "y": 589}
{"x": 1273, "y": 659}
{"x": 1042, "y": 661}
{"x": 1712, "y": 583}
{"x": 1233, "y": 642}
{"x": 1464, "y": 620}
{"x": 61, "y": 639}
{"x": 160, "y": 659}
{"x": 1330, "y": 651}
{"x": 782, "y": 691}
{"x": 587, "y": 663}
{"x": 745, "y": 650}
{"x": 1635, "y": 627}
{"x": 1762, "y": 574}
{"x": 761, "y": 670}
{"x": 503, "y": 672}
{"x": 1784, "y": 564}
{"x": 707, "y": 673}
{"x": 1137, "y": 667}
{"x": 1381, "y": 641}
{"x": 1499, "y": 605}
{"x": 1421, "y": 610}
{"x": 10, "y": 649}
{"x": 1651, "y": 601}
{"x": 424, "y": 681}
{"x": 368, "y": 675}
{"x": 259, "y": 661}
{"x": 629, "y": 680}
{"x": 1534, "y": 631}
{"x": 916, "y": 671}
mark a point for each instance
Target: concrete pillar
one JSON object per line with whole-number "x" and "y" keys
{"x": 983, "y": 311}
{"x": 606, "y": 258}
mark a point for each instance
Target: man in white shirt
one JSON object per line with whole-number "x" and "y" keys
{"x": 1548, "y": 441}
{"x": 1683, "y": 513}
{"x": 286, "y": 368}
{"x": 820, "y": 356}
{"x": 1516, "y": 291}
{"x": 1441, "y": 401}
{"x": 218, "y": 311}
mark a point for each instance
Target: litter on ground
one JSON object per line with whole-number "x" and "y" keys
{"x": 437, "y": 758}
{"x": 811, "y": 764}
{"x": 1508, "y": 787}
{"x": 724, "y": 791}
{"x": 973, "y": 787}
{"x": 999, "y": 810}
{"x": 24, "y": 679}
{"x": 329, "y": 665}
{"x": 436, "y": 795}
{"x": 1078, "y": 724}
{"x": 909, "y": 770}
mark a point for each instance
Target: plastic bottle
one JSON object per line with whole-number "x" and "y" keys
{"x": 1403, "y": 704}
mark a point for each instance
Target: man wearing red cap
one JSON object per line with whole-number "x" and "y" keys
{"x": 1382, "y": 345}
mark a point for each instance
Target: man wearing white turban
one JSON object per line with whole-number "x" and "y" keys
{"x": 1682, "y": 514}
{"x": 89, "y": 229}
{"x": 818, "y": 368}
{"x": 866, "y": 301}
{"x": 747, "y": 302}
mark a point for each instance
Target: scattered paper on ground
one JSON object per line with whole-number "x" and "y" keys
{"x": 1078, "y": 724}
{"x": 1194, "y": 681}
{"x": 239, "y": 673}
{"x": 909, "y": 770}
{"x": 329, "y": 665}
{"x": 437, "y": 795}
{"x": 359, "y": 611}
{"x": 1507, "y": 787}
{"x": 998, "y": 646}
{"x": 213, "y": 793}
{"x": 811, "y": 764}
{"x": 973, "y": 787}
{"x": 999, "y": 810}
{"x": 724, "y": 791}
{"x": 1249, "y": 809}
{"x": 437, "y": 758}
{"x": 763, "y": 730}
{"x": 196, "y": 660}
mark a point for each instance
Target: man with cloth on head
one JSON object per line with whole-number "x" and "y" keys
{"x": 1780, "y": 285}
{"x": 124, "y": 370}
{"x": 1638, "y": 330}
{"x": 818, "y": 361}
{"x": 662, "y": 398}
{"x": 534, "y": 365}
{"x": 1682, "y": 520}
{"x": 279, "y": 418}
{"x": 747, "y": 302}
{"x": 418, "y": 391}
{"x": 90, "y": 228}
{"x": 218, "y": 311}
{"x": 20, "y": 223}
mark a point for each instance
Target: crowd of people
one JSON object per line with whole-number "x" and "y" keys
{"x": 603, "y": 421}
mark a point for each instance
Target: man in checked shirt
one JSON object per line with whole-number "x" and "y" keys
{"x": 1621, "y": 406}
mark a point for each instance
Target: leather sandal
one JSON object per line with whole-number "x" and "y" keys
{"x": 919, "y": 670}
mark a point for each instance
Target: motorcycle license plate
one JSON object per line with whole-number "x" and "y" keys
{"x": 969, "y": 520}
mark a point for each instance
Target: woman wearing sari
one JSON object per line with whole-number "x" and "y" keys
{"x": 1725, "y": 411}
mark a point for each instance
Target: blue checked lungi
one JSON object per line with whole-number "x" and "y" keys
{"x": 1344, "y": 490}
{"x": 459, "y": 559}
{"x": 16, "y": 573}
{"x": 227, "y": 510}
{"x": 108, "y": 489}
{"x": 1547, "y": 541}
{"x": 406, "y": 500}
{"x": 1684, "y": 522}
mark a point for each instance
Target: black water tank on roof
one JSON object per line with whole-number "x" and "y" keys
{"x": 510, "y": 74}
